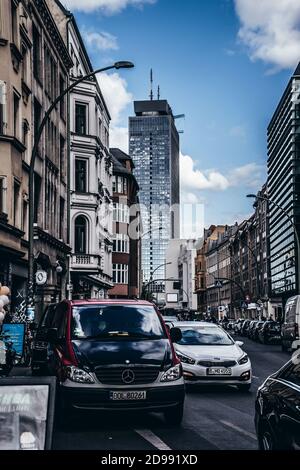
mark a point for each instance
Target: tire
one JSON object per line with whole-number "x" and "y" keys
{"x": 174, "y": 416}
{"x": 266, "y": 439}
{"x": 244, "y": 388}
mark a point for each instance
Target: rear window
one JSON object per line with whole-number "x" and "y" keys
{"x": 116, "y": 322}
{"x": 290, "y": 310}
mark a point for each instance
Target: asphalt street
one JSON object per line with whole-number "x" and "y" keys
{"x": 215, "y": 418}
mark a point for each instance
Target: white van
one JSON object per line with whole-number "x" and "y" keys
{"x": 290, "y": 332}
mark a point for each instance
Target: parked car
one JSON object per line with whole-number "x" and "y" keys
{"x": 251, "y": 328}
{"x": 258, "y": 326}
{"x": 270, "y": 332}
{"x": 290, "y": 331}
{"x": 277, "y": 409}
{"x": 238, "y": 326}
{"x": 209, "y": 355}
{"x": 244, "y": 328}
{"x": 112, "y": 354}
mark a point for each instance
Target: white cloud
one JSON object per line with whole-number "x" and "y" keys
{"x": 116, "y": 95}
{"x": 109, "y": 7}
{"x": 119, "y": 138}
{"x": 192, "y": 178}
{"x": 100, "y": 41}
{"x": 250, "y": 175}
{"x": 270, "y": 29}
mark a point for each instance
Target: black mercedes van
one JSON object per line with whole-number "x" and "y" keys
{"x": 111, "y": 354}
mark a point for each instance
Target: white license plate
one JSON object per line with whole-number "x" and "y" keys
{"x": 218, "y": 371}
{"x": 120, "y": 396}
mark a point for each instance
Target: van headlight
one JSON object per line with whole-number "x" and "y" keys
{"x": 174, "y": 373}
{"x": 79, "y": 375}
{"x": 244, "y": 359}
{"x": 185, "y": 359}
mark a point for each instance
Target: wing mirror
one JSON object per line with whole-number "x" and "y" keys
{"x": 175, "y": 334}
{"x": 239, "y": 343}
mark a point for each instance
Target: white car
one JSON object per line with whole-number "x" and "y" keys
{"x": 209, "y": 355}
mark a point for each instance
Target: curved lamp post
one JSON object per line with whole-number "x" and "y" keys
{"x": 290, "y": 219}
{"x": 37, "y": 138}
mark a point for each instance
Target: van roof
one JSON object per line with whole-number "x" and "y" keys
{"x": 111, "y": 302}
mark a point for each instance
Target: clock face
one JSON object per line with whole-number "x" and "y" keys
{"x": 41, "y": 277}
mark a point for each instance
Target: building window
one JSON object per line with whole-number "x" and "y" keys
{"x": 16, "y": 203}
{"x": 16, "y": 128}
{"x": 36, "y": 53}
{"x": 2, "y": 194}
{"x": 81, "y": 177}
{"x": 62, "y": 145}
{"x": 81, "y": 119}
{"x": 3, "y": 122}
{"x": 61, "y": 218}
{"x": 121, "y": 243}
{"x": 14, "y": 23}
{"x": 119, "y": 185}
{"x": 62, "y": 86}
{"x": 120, "y": 273}
{"x": 25, "y": 216}
{"x": 121, "y": 213}
{"x": 24, "y": 70}
{"x": 37, "y": 194}
{"x": 81, "y": 235}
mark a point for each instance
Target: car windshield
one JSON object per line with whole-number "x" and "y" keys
{"x": 203, "y": 336}
{"x": 116, "y": 321}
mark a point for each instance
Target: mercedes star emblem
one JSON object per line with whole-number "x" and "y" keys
{"x": 128, "y": 376}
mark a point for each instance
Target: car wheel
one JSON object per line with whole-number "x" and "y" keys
{"x": 174, "y": 416}
{"x": 244, "y": 387}
{"x": 266, "y": 440}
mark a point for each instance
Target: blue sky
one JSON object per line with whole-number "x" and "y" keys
{"x": 224, "y": 63}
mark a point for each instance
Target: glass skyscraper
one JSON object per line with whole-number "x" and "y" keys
{"x": 154, "y": 148}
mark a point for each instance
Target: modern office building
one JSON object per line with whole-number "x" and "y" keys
{"x": 154, "y": 148}
{"x": 284, "y": 189}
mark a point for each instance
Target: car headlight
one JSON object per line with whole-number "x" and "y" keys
{"x": 79, "y": 375}
{"x": 244, "y": 359}
{"x": 174, "y": 373}
{"x": 185, "y": 359}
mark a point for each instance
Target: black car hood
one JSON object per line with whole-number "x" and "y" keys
{"x": 93, "y": 353}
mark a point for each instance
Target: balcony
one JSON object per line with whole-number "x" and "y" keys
{"x": 86, "y": 263}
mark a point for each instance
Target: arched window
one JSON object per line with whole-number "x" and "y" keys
{"x": 81, "y": 226}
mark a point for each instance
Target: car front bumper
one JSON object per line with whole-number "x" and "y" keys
{"x": 241, "y": 374}
{"x": 158, "y": 398}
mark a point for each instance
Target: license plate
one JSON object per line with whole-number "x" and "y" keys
{"x": 123, "y": 396}
{"x": 218, "y": 371}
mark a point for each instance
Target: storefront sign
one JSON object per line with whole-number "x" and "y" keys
{"x": 26, "y": 413}
{"x": 16, "y": 333}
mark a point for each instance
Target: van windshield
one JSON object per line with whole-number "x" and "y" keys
{"x": 290, "y": 310}
{"x": 116, "y": 322}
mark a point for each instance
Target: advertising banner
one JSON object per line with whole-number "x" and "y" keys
{"x": 16, "y": 333}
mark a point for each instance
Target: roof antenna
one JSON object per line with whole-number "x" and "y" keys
{"x": 158, "y": 92}
{"x": 151, "y": 85}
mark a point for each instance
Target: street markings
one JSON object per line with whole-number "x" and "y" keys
{"x": 240, "y": 430}
{"x": 153, "y": 439}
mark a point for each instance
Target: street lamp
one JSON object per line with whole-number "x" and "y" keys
{"x": 150, "y": 231}
{"x": 262, "y": 198}
{"x": 158, "y": 267}
{"x": 37, "y": 138}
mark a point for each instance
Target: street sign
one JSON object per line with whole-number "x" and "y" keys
{"x": 218, "y": 283}
{"x": 244, "y": 305}
{"x": 41, "y": 278}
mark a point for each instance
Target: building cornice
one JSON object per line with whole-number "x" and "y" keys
{"x": 50, "y": 26}
{"x": 40, "y": 234}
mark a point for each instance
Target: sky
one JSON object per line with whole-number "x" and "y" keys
{"x": 222, "y": 63}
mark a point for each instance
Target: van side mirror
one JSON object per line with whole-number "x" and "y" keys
{"x": 175, "y": 334}
{"x": 52, "y": 335}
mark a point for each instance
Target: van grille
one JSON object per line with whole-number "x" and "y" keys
{"x": 217, "y": 364}
{"x": 114, "y": 375}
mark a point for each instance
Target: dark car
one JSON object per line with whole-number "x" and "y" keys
{"x": 277, "y": 409}
{"x": 251, "y": 328}
{"x": 245, "y": 327}
{"x": 111, "y": 355}
{"x": 258, "y": 326}
{"x": 270, "y": 333}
